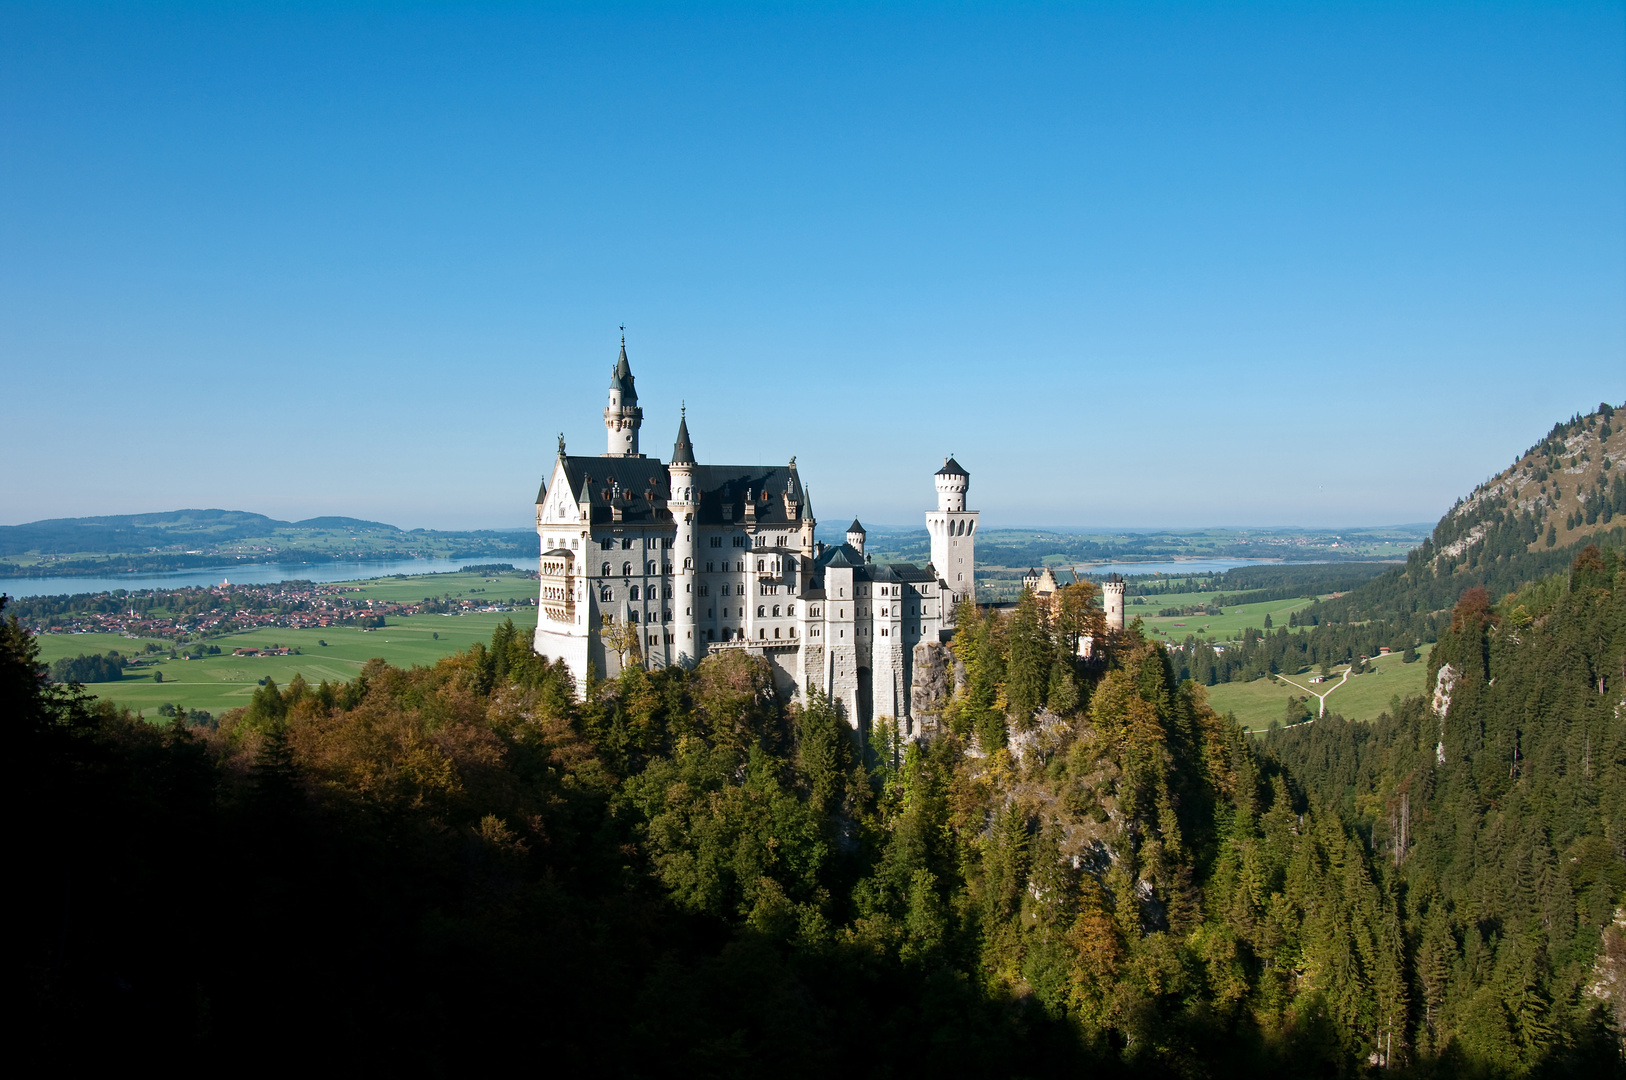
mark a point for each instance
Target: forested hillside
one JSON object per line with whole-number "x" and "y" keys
{"x": 1499, "y": 810}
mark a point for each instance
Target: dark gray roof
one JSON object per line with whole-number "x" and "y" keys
{"x": 951, "y": 468}
{"x": 910, "y": 572}
{"x": 647, "y": 481}
{"x": 635, "y": 485}
{"x": 856, "y": 528}
{"x": 621, "y": 377}
{"x": 683, "y": 449}
{"x": 542, "y": 492}
{"x": 720, "y": 484}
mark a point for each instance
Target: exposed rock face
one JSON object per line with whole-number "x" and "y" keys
{"x": 931, "y": 689}
{"x": 1443, "y": 685}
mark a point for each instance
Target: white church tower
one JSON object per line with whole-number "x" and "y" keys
{"x": 953, "y": 534}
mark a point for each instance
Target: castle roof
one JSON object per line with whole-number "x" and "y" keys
{"x": 621, "y": 377}
{"x": 856, "y": 528}
{"x": 637, "y": 484}
{"x": 951, "y": 468}
{"x": 683, "y": 449}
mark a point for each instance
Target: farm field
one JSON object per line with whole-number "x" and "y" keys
{"x": 1256, "y": 704}
{"x": 411, "y": 588}
{"x": 1226, "y": 627}
{"x": 218, "y": 683}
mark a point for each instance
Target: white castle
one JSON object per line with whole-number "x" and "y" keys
{"x": 685, "y": 559}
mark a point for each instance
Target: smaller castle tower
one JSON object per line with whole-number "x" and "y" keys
{"x": 685, "y": 506}
{"x": 855, "y": 536}
{"x": 1112, "y": 601}
{"x": 622, "y": 417}
{"x": 953, "y": 531}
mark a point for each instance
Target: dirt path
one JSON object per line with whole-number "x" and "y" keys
{"x": 1321, "y": 697}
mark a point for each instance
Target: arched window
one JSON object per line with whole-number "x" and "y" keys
{"x": 793, "y": 631}
{"x": 626, "y": 569}
{"x": 649, "y": 568}
{"x": 606, "y": 595}
{"x": 634, "y": 594}
{"x": 606, "y": 571}
{"x": 761, "y": 632}
{"x": 688, "y": 564}
{"x": 762, "y": 612}
{"x": 776, "y": 611}
{"x": 759, "y": 566}
{"x": 632, "y": 616}
{"x": 776, "y": 631}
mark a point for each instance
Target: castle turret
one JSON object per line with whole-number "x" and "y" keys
{"x": 1112, "y": 601}
{"x": 684, "y": 504}
{"x": 953, "y": 536}
{"x": 622, "y": 417}
{"x": 855, "y": 536}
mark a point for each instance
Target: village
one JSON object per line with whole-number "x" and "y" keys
{"x": 196, "y": 613}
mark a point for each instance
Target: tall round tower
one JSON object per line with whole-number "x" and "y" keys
{"x": 953, "y": 531}
{"x": 622, "y": 417}
{"x": 952, "y": 484}
{"x": 855, "y": 536}
{"x": 1112, "y": 601}
{"x": 685, "y": 506}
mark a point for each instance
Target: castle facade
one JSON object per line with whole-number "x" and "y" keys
{"x": 664, "y": 563}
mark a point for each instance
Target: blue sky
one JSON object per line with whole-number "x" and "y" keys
{"x": 1135, "y": 265}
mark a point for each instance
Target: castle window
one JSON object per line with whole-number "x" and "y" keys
{"x": 761, "y": 612}
{"x": 776, "y": 631}
{"x": 725, "y": 589}
{"x": 814, "y": 613}
{"x": 815, "y": 631}
{"x": 883, "y": 631}
{"x": 607, "y": 543}
{"x": 717, "y": 541}
{"x": 759, "y": 566}
{"x": 708, "y": 568}
{"x": 688, "y": 564}
{"x": 739, "y": 567}
{"x": 633, "y": 595}
{"x": 793, "y": 631}
{"x": 761, "y": 632}
{"x": 606, "y": 594}
{"x": 632, "y": 616}
{"x": 739, "y": 541}
{"x": 705, "y": 590}
{"x": 790, "y": 609}
{"x": 605, "y": 570}
{"x": 666, "y": 542}
{"x": 626, "y": 569}
{"x": 776, "y": 611}
{"x": 626, "y": 543}
{"x": 650, "y": 568}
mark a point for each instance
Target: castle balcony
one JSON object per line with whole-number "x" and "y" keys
{"x": 558, "y": 585}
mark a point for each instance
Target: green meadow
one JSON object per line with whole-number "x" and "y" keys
{"x": 1258, "y": 703}
{"x": 218, "y": 683}
{"x": 1226, "y": 627}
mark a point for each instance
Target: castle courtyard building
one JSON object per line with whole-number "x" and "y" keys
{"x": 666, "y": 563}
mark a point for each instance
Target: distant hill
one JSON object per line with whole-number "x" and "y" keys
{"x": 1523, "y": 524}
{"x": 186, "y": 539}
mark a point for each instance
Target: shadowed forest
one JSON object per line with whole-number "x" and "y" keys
{"x": 462, "y": 866}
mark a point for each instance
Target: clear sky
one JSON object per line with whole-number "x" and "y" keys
{"x": 1135, "y": 265}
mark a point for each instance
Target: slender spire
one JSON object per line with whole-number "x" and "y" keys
{"x": 683, "y": 449}
{"x": 621, "y": 378}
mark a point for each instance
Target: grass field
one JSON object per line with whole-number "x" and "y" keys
{"x": 1363, "y": 697}
{"x": 218, "y": 683}
{"x": 416, "y": 587}
{"x": 1226, "y": 627}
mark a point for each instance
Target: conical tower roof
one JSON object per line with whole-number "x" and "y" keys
{"x": 683, "y": 449}
{"x": 950, "y": 466}
{"x": 621, "y": 377}
{"x": 856, "y": 528}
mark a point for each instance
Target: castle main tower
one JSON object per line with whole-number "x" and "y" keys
{"x": 685, "y": 506}
{"x": 953, "y": 534}
{"x": 1112, "y": 601}
{"x": 622, "y": 417}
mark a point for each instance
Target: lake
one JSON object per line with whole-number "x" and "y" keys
{"x": 1181, "y": 566}
{"x": 237, "y": 574}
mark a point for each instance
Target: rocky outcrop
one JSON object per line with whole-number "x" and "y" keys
{"x": 931, "y": 688}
